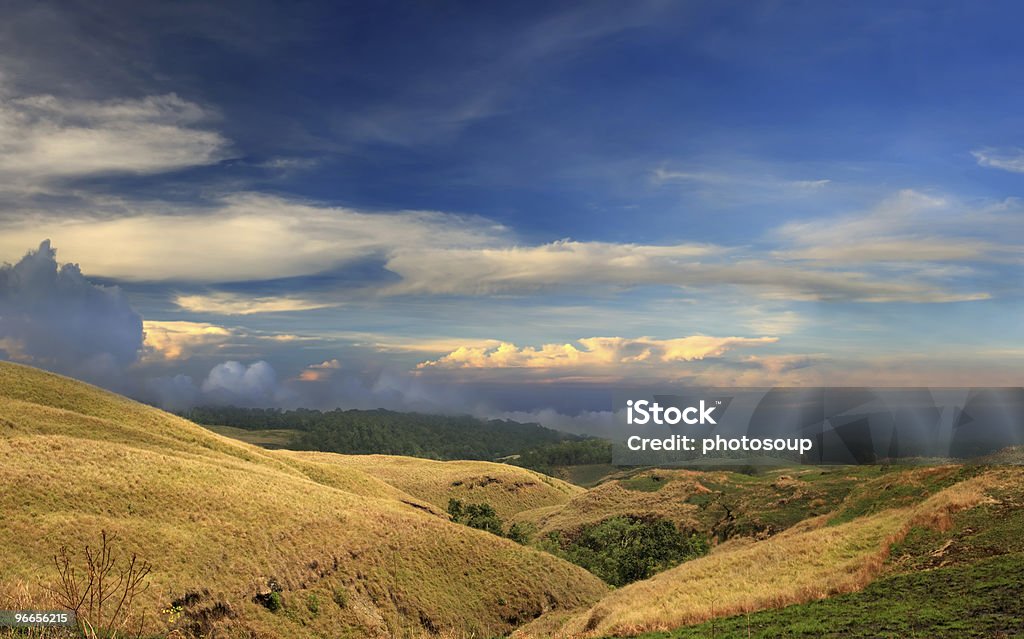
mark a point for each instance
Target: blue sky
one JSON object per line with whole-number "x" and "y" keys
{"x": 509, "y": 208}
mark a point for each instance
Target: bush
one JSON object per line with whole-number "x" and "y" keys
{"x": 622, "y": 550}
{"x": 101, "y": 591}
{"x": 483, "y": 517}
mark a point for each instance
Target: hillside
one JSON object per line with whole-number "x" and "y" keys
{"x": 223, "y": 520}
{"x": 889, "y": 531}
{"x": 717, "y": 504}
{"x": 509, "y": 489}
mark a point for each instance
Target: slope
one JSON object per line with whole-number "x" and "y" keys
{"x": 509, "y": 489}
{"x": 220, "y": 519}
{"x": 817, "y": 558}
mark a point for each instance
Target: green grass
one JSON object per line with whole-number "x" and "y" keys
{"x": 274, "y": 438}
{"x": 978, "y": 600}
{"x": 896, "y": 487}
{"x": 650, "y": 483}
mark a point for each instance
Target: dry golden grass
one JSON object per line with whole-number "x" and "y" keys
{"x": 509, "y": 489}
{"x": 809, "y": 561}
{"x": 611, "y": 499}
{"x": 212, "y": 514}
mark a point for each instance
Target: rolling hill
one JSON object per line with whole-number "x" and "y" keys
{"x": 509, "y": 489}
{"x": 361, "y": 545}
{"x": 222, "y": 522}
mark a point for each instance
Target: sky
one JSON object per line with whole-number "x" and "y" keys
{"x": 510, "y": 209}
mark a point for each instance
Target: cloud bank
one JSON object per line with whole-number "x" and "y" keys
{"x": 594, "y": 352}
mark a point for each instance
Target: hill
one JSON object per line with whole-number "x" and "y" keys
{"x": 222, "y": 522}
{"x": 892, "y": 532}
{"x": 509, "y": 489}
{"x": 717, "y": 504}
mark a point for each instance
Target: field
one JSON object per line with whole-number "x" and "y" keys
{"x": 249, "y": 542}
{"x": 222, "y": 522}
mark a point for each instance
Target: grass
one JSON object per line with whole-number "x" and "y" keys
{"x": 585, "y": 475}
{"x": 272, "y": 438}
{"x": 980, "y": 600}
{"x": 718, "y": 504}
{"x": 976, "y": 600}
{"x": 809, "y": 561}
{"x": 221, "y": 517}
{"x": 509, "y": 489}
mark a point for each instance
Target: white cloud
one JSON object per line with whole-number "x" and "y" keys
{"x": 175, "y": 340}
{"x": 751, "y": 180}
{"x": 595, "y": 352}
{"x": 44, "y": 137}
{"x": 1005, "y": 159}
{"x": 908, "y": 249}
{"x": 234, "y": 304}
{"x": 908, "y": 227}
{"x": 242, "y": 237}
{"x": 235, "y": 382}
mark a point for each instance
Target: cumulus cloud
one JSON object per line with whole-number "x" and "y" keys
{"x": 235, "y": 383}
{"x": 318, "y": 372}
{"x": 51, "y": 316}
{"x": 595, "y": 352}
{"x": 172, "y": 340}
{"x": 1011, "y": 160}
{"x": 44, "y": 137}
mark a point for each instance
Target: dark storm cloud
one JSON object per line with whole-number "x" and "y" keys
{"x": 53, "y": 317}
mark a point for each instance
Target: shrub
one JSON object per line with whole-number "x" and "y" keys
{"x": 101, "y": 591}
{"x": 622, "y": 550}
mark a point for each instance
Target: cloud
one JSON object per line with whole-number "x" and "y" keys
{"x": 909, "y": 226}
{"x": 568, "y": 263}
{"x": 51, "y": 316}
{"x": 175, "y": 340}
{"x": 235, "y": 383}
{"x": 319, "y": 372}
{"x": 601, "y": 352}
{"x": 43, "y": 137}
{"x": 903, "y": 250}
{"x": 244, "y": 237}
{"x": 753, "y": 180}
{"x": 1011, "y": 160}
{"x": 173, "y": 393}
{"x": 235, "y": 304}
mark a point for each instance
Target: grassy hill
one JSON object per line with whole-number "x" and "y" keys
{"x": 509, "y": 489}
{"x": 222, "y": 521}
{"x": 717, "y": 504}
{"x": 888, "y": 531}
{"x": 361, "y": 545}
